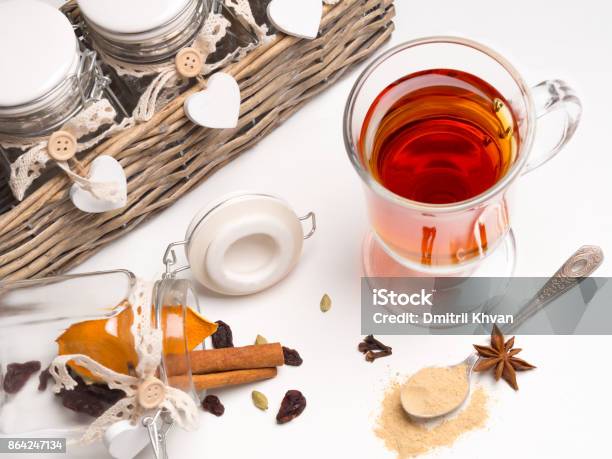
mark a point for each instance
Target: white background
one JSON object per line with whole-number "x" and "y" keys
{"x": 562, "y": 409}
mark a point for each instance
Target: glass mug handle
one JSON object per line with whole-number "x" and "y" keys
{"x": 551, "y": 96}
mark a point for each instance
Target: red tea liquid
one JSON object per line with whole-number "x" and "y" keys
{"x": 439, "y": 137}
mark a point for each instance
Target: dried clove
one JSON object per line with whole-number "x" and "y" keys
{"x": 373, "y": 349}
{"x": 370, "y": 356}
{"x": 375, "y": 345}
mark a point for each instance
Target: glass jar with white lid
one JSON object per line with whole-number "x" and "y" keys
{"x": 139, "y": 35}
{"x": 138, "y": 38}
{"x": 143, "y": 31}
{"x": 48, "y": 77}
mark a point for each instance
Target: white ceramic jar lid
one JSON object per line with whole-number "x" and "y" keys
{"x": 38, "y": 50}
{"x": 131, "y": 16}
{"x": 244, "y": 243}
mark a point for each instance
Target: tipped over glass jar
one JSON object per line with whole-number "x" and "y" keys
{"x": 88, "y": 314}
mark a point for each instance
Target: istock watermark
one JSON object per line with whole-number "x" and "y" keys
{"x": 426, "y": 305}
{"x": 384, "y": 297}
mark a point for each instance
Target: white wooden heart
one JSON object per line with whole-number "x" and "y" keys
{"x": 217, "y": 106}
{"x": 300, "y": 18}
{"x": 124, "y": 440}
{"x": 104, "y": 169}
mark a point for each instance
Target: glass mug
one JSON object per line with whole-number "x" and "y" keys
{"x": 450, "y": 238}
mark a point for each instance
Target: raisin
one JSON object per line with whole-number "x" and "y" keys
{"x": 223, "y": 336}
{"x": 17, "y": 374}
{"x": 291, "y": 407}
{"x": 212, "y": 404}
{"x": 99, "y": 391}
{"x": 292, "y": 357}
{"x": 43, "y": 379}
{"x": 106, "y": 394}
{"x": 91, "y": 399}
{"x": 83, "y": 402}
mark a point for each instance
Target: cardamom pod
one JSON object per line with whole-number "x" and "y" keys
{"x": 261, "y": 340}
{"x": 326, "y": 303}
{"x": 259, "y": 400}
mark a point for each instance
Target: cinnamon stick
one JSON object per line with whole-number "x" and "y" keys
{"x": 228, "y": 359}
{"x": 226, "y": 378}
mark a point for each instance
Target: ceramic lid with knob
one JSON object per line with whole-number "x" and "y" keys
{"x": 244, "y": 243}
{"x": 38, "y": 50}
{"x": 131, "y": 16}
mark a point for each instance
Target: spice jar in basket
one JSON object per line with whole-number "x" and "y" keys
{"x": 139, "y": 42}
{"x": 51, "y": 82}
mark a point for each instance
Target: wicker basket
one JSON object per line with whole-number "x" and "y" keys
{"x": 45, "y": 234}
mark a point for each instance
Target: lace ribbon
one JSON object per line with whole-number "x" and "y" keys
{"x": 30, "y": 165}
{"x": 148, "y": 344}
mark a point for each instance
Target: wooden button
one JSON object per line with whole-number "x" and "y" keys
{"x": 189, "y": 62}
{"x": 62, "y": 145}
{"x": 151, "y": 393}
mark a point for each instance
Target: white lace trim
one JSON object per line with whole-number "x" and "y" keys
{"x": 148, "y": 345}
{"x": 243, "y": 9}
{"x": 30, "y": 165}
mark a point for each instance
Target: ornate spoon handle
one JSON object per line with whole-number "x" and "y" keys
{"x": 580, "y": 265}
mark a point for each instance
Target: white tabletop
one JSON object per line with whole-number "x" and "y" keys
{"x": 562, "y": 407}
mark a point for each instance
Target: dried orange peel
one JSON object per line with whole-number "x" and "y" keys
{"x": 109, "y": 341}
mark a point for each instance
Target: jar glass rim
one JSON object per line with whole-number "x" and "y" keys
{"x": 154, "y": 45}
{"x": 524, "y": 146}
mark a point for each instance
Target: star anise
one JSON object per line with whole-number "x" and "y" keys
{"x": 501, "y": 355}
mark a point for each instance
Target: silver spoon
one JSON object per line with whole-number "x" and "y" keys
{"x": 580, "y": 265}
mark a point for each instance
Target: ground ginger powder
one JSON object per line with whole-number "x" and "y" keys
{"x": 434, "y": 391}
{"x": 409, "y": 438}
